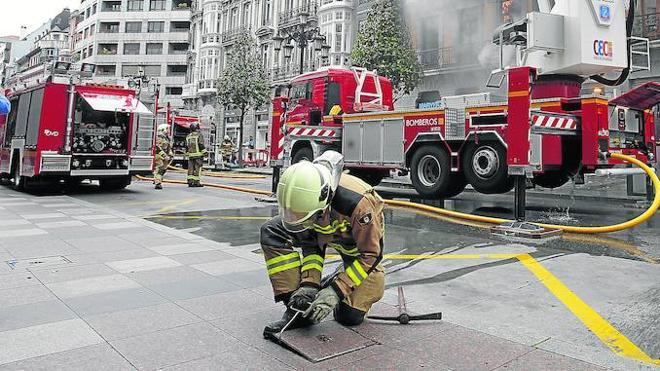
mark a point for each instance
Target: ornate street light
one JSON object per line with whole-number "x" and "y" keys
{"x": 277, "y": 42}
{"x": 288, "y": 51}
{"x": 319, "y": 41}
{"x": 325, "y": 51}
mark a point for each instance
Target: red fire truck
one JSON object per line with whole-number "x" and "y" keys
{"x": 545, "y": 130}
{"x": 64, "y": 131}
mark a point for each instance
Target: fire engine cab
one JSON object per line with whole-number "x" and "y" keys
{"x": 61, "y": 130}
{"x": 545, "y": 131}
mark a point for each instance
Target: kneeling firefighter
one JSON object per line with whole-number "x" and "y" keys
{"x": 320, "y": 207}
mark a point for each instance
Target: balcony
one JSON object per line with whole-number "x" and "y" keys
{"x": 230, "y": 36}
{"x": 179, "y": 26}
{"x": 292, "y": 17}
{"x": 111, "y": 6}
{"x": 646, "y": 25}
{"x": 189, "y": 91}
{"x": 181, "y": 4}
{"x": 211, "y": 38}
{"x": 437, "y": 58}
{"x": 107, "y": 49}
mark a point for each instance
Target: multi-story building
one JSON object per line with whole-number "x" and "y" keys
{"x": 130, "y": 37}
{"x": 6, "y": 43}
{"x": 215, "y": 26}
{"x": 33, "y": 56}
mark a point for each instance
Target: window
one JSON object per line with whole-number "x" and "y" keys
{"x": 173, "y": 90}
{"x": 156, "y": 4}
{"x": 23, "y": 112}
{"x": 338, "y": 37}
{"x": 177, "y": 70}
{"x": 178, "y": 48}
{"x": 154, "y": 48}
{"x": 302, "y": 91}
{"x": 109, "y": 27}
{"x": 107, "y": 49}
{"x": 135, "y": 5}
{"x": 180, "y": 26}
{"x": 106, "y": 70}
{"x": 94, "y": 9}
{"x": 152, "y": 70}
{"x": 155, "y": 27}
{"x": 11, "y": 121}
{"x": 129, "y": 70}
{"x": 34, "y": 117}
{"x": 132, "y": 49}
{"x": 133, "y": 27}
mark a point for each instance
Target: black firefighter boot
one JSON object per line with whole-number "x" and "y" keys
{"x": 272, "y": 329}
{"x": 159, "y": 186}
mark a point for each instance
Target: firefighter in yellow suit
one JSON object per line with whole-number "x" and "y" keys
{"x": 195, "y": 152}
{"x": 322, "y": 208}
{"x": 163, "y": 155}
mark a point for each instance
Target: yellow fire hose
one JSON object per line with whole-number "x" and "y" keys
{"x": 220, "y": 175}
{"x": 489, "y": 220}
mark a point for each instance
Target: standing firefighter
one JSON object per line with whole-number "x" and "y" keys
{"x": 163, "y": 155}
{"x": 227, "y": 150}
{"x": 195, "y": 152}
{"x": 321, "y": 208}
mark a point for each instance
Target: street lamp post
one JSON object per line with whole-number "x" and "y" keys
{"x": 306, "y": 32}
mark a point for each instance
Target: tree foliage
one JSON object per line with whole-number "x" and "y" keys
{"x": 383, "y": 43}
{"x": 243, "y": 84}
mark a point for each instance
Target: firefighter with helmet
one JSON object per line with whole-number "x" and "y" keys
{"x": 320, "y": 207}
{"x": 195, "y": 152}
{"x": 163, "y": 155}
{"x": 227, "y": 150}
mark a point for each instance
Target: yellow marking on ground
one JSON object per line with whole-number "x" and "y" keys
{"x": 438, "y": 257}
{"x": 191, "y": 217}
{"x": 177, "y": 204}
{"x": 610, "y": 336}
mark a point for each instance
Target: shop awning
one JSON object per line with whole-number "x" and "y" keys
{"x": 641, "y": 98}
{"x": 114, "y": 103}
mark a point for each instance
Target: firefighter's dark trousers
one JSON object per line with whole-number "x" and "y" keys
{"x": 160, "y": 169}
{"x": 195, "y": 169}
{"x": 285, "y": 270}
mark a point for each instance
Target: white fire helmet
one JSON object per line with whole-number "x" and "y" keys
{"x": 163, "y": 129}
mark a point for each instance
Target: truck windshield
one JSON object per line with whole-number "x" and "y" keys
{"x": 99, "y": 131}
{"x": 300, "y": 91}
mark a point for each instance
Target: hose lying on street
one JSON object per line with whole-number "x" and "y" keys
{"x": 653, "y": 208}
{"x": 221, "y": 175}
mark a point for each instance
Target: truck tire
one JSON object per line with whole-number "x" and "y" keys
{"x": 304, "y": 153}
{"x": 114, "y": 184}
{"x": 551, "y": 179}
{"x": 486, "y": 169}
{"x": 431, "y": 173}
{"x": 371, "y": 177}
{"x": 17, "y": 181}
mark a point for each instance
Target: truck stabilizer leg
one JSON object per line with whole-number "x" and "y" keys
{"x": 520, "y": 198}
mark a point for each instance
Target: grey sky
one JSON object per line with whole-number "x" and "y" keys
{"x": 30, "y": 13}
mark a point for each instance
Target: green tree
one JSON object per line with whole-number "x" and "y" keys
{"x": 243, "y": 84}
{"x": 383, "y": 44}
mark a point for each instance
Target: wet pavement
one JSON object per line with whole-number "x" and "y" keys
{"x": 550, "y": 312}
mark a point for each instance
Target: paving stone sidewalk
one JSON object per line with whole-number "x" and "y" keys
{"x": 88, "y": 288}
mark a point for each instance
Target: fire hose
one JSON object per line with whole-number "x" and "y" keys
{"x": 220, "y": 175}
{"x": 653, "y": 208}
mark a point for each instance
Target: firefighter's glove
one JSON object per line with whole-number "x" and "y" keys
{"x": 326, "y": 300}
{"x": 302, "y": 298}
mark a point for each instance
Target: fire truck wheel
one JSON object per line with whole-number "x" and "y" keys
{"x": 431, "y": 172}
{"x": 17, "y": 181}
{"x": 486, "y": 169}
{"x": 114, "y": 184}
{"x": 552, "y": 179}
{"x": 304, "y": 153}
{"x": 457, "y": 185}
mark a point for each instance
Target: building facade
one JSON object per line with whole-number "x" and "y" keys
{"x": 32, "y": 57}
{"x": 125, "y": 38}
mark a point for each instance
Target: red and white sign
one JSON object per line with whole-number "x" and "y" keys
{"x": 551, "y": 122}
{"x": 309, "y": 132}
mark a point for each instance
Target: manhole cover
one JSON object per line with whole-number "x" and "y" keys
{"x": 325, "y": 341}
{"x": 46, "y": 261}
